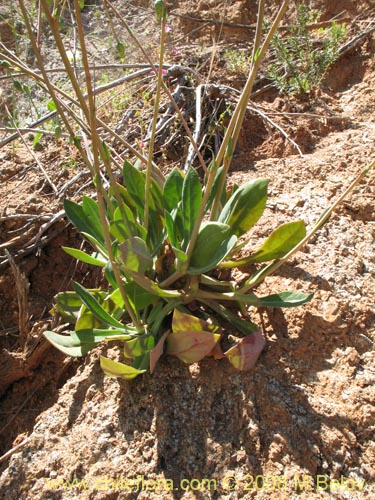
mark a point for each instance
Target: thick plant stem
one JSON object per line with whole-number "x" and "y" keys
{"x": 96, "y": 148}
{"x": 165, "y": 88}
{"x": 235, "y": 124}
{"x": 231, "y": 136}
{"x": 44, "y": 79}
{"x": 153, "y": 125}
{"x": 54, "y": 25}
{"x": 271, "y": 268}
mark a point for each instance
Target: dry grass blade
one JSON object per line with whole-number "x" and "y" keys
{"x": 22, "y": 290}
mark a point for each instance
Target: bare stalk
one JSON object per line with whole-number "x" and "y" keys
{"x": 231, "y": 136}
{"x": 235, "y": 124}
{"x": 165, "y": 88}
{"x": 97, "y": 147}
{"x": 53, "y": 22}
{"x": 271, "y": 268}
{"x": 45, "y": 78}
{"x": 154, "y": 123}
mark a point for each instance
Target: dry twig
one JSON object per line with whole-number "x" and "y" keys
{"x": 22, "y": 290}
{"x": 10, "y": 452}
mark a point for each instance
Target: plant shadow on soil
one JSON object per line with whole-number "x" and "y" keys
{"x": 195, "y": 417}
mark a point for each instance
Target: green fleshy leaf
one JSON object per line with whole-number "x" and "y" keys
{"x": 138, "y": 297}
{"x": 68, "y": 306}
{"x": 172, "y": 191}
{"x": 100, "y": 247}
{"x": 170, "y": 226}
{"x": 138, "y": 346}
{"x": 191, "y": 201}
{"x": 91, "y": 210}
{"x": 87, "y": 320}
{"x": 84, "y": 257}
{"x": 280, "y": 242}
{"x": 120, "y": 370}
{"x": 285, "y": 299}
{"x": 96, "y": 335}
{"x": 122, "y": 231}
{"x": 156, "y": 231}
{"x": 67, "y": 345}
{"x": 93, "y": 305}
{"x": 135, "y": 255}
{"x": 213, "y": 244}
{"x": 135, "y": 182}
{"x": 244, "y": 355}
{"x": 127, "y": 199}
{"x": 245, "y": 206}
{"x": 175, "y": 225}
{"x": 76, "y": 216}
{"x": 85, "y": 217}
{"x": 157, "y": 199}
{"x": 214, "y": 189}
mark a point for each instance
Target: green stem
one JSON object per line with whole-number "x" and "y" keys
{"x": 165, "y": 88}
{"x": 44, "y": 78}
{"x": 171, "y": 279}
{"x": 153, "y": 125}
{"x": 231, "y": 136}
{"x": 96, "y": 147}
{"x": 271, "y": 268}
{"x": 203, "y": 295}
{"x": 235, "y": 124}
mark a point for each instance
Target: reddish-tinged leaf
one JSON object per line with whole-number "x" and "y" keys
{"x": 217, "y": 352}
{"x": 192, "y": 338}
{"x": 244, "y": 355}
{"x": 191, "y": 346}
{"x": 157, "y": 351}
